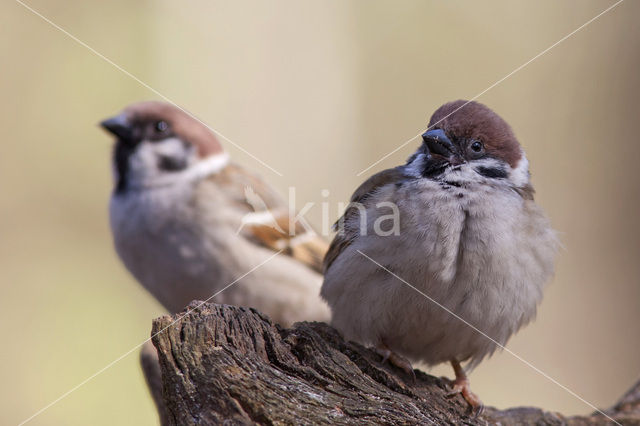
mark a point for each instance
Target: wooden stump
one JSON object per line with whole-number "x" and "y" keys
{"x": 225, "y": 364}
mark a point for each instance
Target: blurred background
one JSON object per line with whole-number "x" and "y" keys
{"x": 319, "y": 90}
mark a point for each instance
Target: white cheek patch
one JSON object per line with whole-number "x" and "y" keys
{"x": 520, "y": 175}
{"x": 209, "y": 166}
{"x": 170, "y": 147}
{"x": 469, "y": 172}
{"x": 193, "y": 173}
{"x": 143, "y": 164}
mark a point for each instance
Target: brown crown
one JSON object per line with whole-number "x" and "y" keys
{"x": 182, "y": 124}
{"x": 476, "y": 121}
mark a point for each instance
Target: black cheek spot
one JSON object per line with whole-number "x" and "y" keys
{"x": 492, "y": 172}
{"x": 460, "y": 195}
{"x": 172, "y": 164}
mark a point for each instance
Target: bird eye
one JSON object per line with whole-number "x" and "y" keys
{"x": 477, "y": 147}
{"x": 161, "y": 126}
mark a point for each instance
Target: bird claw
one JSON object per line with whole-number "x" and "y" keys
{"x": 462, "y": 387}
{"x": 396, "y": 360}
{"x": 448, "y": 383}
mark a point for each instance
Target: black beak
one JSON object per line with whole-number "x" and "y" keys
{"x": 118, "y": 126}
{"x": 438, "y": 143}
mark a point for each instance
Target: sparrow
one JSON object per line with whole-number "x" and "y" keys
{"x": 464, "y": 268}
{"x": 189, "y": 224}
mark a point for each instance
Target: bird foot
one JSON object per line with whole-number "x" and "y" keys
{"x": 395, "y": 359}
{"x": 462, "y": 386}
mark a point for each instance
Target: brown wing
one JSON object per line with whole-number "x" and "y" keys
{"x": 266, "y": 218}
{"x": 346, "y": 234}
{"x": 293, "y": 238}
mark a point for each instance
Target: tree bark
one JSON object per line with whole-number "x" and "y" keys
{"x": 225, "y": 364}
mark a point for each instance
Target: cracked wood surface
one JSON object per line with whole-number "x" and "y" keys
{"x": 225, "y": 364}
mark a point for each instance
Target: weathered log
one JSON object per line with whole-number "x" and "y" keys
{"x": 225, "y": 364}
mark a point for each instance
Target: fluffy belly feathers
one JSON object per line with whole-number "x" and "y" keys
{"x": 475, "y": 267}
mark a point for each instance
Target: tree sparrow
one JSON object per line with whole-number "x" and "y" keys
{"x": 187, "y": 222}
{"x": 470, "y": 237}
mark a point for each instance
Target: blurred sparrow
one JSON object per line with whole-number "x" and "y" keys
{"x": 469, "y": 236}
{"x": 187, "y": 222}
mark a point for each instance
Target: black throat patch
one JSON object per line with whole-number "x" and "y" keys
{"x": 121, "y": 154}
{"x": 492, "y": 172}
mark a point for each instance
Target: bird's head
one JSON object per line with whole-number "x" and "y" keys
{"x": 156, "y": 143}
{"x": 471, "y": 141}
